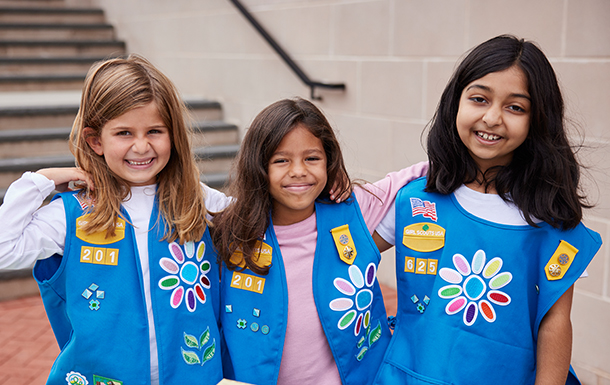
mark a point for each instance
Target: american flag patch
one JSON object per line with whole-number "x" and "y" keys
{"x": 425, "y": 208}
{"x": 83, "y": 204}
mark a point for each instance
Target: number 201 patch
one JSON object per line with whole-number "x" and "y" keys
{"x": 99, "y": 255}
{"x": 248, "y": 282}
{"x": 421, "y": 265}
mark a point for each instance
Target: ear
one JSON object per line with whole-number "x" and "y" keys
{"x": 93, "y": 140}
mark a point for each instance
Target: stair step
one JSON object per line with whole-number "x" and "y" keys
{"x": 32, "y": 31}
{"x": 47, "y": 14}
{"x": 42, "y": 82}
{"x": 60, "y": 48}
{"x": 53, "y": 66}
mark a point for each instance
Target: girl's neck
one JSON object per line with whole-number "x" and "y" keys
{"x": 481, "y": 185}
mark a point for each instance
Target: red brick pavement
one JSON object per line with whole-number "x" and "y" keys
{"x": 27, "y": 343}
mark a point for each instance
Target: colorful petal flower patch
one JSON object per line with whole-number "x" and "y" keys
{"x": 359, "y": 298}
{"x": 188, "y": 274}
{"x": 473, "y": 287}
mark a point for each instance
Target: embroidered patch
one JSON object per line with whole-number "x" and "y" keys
{"x": 256, "y": 312}
{"x": 242, "y": 323}
{"x": 94, "y": 304}
{"x": 344, "y": 243}
{"x": 424, "y": 237}
{"x": 361, "y": 297}
{"x": 425, "y": 208}
{"x": 192, "y": 342}
{"x": 262, "y": 255}
{"x": 228, "y": 308}
{"x": 371, "y": 337}
{"x": 100, "y": 237}
{"x": 99, "y": 380}
{"x": 265, "y": 329}
{"x": 467, "y": 294}
{"x": 560, "y": 261}
{"x": 82, "y": 202}
{"x": 99, "y": 255}
{"x": 75, "y": 378}
{"x": 254, "y": 327}
{"x": 248, "y": 282}
{"x": 188, "y": 279}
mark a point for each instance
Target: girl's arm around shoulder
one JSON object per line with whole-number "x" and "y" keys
{"x": 554, "y": 345}
{"x": 29, "y": 231}
{"x": 215, "y": 200}
{"x": 374, "y": 207}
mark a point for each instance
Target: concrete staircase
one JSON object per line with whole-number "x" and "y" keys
{"x": 46, "y": 48}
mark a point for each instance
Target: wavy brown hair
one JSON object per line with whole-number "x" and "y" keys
{"x": 112, "y": 88}
{"x": 246, "y": 220}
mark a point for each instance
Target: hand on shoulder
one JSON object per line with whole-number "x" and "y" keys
{"x": 63, "y": 176}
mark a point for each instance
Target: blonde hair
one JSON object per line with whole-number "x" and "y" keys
{"x": 112, "y": 88}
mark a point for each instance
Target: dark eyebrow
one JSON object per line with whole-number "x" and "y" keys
{"x": 485, "y": 88}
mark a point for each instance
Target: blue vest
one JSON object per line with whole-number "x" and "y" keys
{"x": 472, "y": 293}
{"x": 94, "y": 299}
{"x": 347, "y": 297}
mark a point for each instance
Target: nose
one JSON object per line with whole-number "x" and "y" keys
{"x": 140, "y": 145}
{"x": 298, "y": 169}
{"x": 493, "y": 116}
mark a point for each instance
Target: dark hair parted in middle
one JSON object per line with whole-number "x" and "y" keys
{"x": 244, "y": 222}
{"x": 543, "y": 177}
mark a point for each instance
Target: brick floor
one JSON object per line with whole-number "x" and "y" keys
{"x": 28, "y": 347}
{"x": 27, "y": 343}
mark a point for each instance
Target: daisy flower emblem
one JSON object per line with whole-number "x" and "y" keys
{"x": 360, "y": 297}
{"x": 469, "y": 283}
{"x": 187, "y": 278}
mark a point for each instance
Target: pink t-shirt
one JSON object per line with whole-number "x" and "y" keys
{"x": 307, "y": 358}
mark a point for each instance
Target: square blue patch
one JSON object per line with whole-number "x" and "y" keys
{"x": 87, "y": 294}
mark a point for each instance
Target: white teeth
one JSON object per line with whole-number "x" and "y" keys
{"x": 488, "y": 136}
{"x": 133, "y": 162}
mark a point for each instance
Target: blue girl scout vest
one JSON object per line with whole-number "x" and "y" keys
{"x": 346, "y": 293}
{"x": 472, "y": 293}
{"x": 94, "y": 299}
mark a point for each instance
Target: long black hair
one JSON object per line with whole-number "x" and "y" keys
{"x": 543, "y": 177}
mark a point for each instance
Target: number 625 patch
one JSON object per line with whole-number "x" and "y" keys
{"x": 421, "y": 265}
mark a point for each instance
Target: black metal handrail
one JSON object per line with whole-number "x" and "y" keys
{"x": 287, "y": 59}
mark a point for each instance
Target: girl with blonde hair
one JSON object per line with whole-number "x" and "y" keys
{"x": 124, "y": 264}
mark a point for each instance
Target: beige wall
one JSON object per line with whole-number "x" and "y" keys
{"x": 395, "y": 57}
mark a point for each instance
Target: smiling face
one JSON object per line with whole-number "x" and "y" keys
{"x": 136, "y": 145}
{"x": 297, "y": 176}
{"x": 494, "y": 116}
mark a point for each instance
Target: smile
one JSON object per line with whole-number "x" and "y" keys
{"x": 486, "y": 136}
{"x": 135, "y": 163}
{"x": 298, "y": 187}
